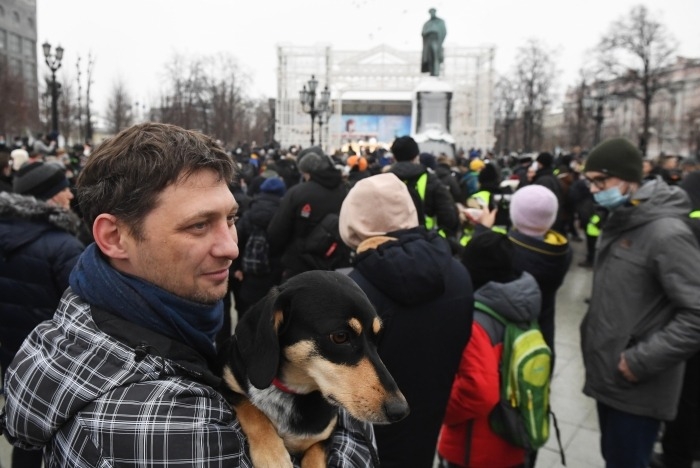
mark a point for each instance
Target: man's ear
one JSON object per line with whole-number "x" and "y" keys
{"x": 110, "y": 236}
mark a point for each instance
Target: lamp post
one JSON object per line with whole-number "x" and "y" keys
{"x": 323, "y": 119}
{"x": 596, "y": 105}
{"x": 54, "y": 63}
{"x": 309, "y": 104}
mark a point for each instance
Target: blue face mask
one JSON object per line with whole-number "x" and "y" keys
{"x": 610, "y": 198}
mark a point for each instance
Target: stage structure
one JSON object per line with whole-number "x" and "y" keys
{"x": 372, "y": 94}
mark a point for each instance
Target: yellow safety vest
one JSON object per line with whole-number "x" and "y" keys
{"x": 695, "y": 214}
{"x": 593, "y": 226}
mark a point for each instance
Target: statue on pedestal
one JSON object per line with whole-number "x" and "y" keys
{"x": 434, "y": 33}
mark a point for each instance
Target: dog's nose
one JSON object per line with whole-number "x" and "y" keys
{"x": 396, "y": 409}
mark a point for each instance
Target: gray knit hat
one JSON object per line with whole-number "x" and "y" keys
{"x": 40, "y": 180}
{"x": 616, "y": 157}
{"x": 313, "y": 162}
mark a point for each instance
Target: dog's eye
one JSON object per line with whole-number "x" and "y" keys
{"x": 340, "y": 337}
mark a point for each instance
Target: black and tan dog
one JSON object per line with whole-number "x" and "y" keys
{"x": 305, "y": 349}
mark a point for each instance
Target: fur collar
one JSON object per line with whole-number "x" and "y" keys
{"x": 16, "y": 206}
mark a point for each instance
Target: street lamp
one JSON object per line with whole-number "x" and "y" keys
{"x": 596, "y": 105}
{"x": 309, "y": 104}
{"x": 54, "y": 63}
{"x": 323, "y": 119}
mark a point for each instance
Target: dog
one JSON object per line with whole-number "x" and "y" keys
{"x": 305, "y": 349}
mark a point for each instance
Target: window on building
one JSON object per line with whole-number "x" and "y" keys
{"x": 16, "y": 65}
{"x": 29, "y": 46}
{"x": 3, "y": 40}
{"x": 30, "y": 22}
{"x": 28, "y": 71}
{"x": 2, "y": 11}
{"x": 16, "y": 15}
{"x": 15, "y": 44}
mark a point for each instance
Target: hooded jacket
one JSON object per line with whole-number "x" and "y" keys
{"x": 302, "y": 208}
{"x": 438, "y": 202}
{"x": 644, "y": 303}
{"x": 38, "y": 249}
{"x": 97, "y": 391}
{"x": 548, "y": 260}
{"x": 424, "y": 298}
{"x": 476, "y": 389}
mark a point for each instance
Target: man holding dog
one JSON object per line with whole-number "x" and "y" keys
{"x": 122, "y": 373}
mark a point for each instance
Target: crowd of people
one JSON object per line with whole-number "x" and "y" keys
{"x": 120, "y": 265}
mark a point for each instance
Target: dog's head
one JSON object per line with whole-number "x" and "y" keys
{"x": 318, "y": 332}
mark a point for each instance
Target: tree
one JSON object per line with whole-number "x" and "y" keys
{"x": 506, "y": 97}
{"x": 119, "y": 110}
{"x": 635, "y": 52}
{"x": 534, "y": 78}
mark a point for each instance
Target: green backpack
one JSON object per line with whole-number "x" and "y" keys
{"x": 522, "y": 415}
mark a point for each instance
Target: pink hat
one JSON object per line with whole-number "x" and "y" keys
{"x": 533, "y": 210}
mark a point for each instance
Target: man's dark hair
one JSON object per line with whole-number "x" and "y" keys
{"x": 404, "y": 148}
{"x": 126, "y": 173}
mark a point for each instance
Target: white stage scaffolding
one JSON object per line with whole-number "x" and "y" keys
{"x": 381, "y": 81}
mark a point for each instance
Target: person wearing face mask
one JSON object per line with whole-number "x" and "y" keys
{"x": 643, "y": 320}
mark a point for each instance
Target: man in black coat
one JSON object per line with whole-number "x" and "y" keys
{"x": 303, "y": 207}
{"x": 435, "y": 206}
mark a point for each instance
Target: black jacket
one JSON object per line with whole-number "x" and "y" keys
{"x": 438, "y": 201}
{"x": 424, "y": 298}
{"x": 302, "y": 208}
{"x": 547, "y": 260}
{"x": 259, "y": 214}
{"x": 38, "y": 249}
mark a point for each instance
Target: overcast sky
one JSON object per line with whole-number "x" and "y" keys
{"x": 133, "y": 39}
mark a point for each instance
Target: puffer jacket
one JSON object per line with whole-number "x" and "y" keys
{"x": 644, "y": 303}
{"x": 94, "y": 390}
{"x": 424, "y": 298}
{"x": 38, "y": 249}
{"x": 466, "y": 433}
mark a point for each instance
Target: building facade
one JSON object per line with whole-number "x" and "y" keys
{"x": 372, "y": 94}
{"x": 18, "y": 63}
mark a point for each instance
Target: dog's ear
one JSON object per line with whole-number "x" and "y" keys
{"x": 257, "y": 339}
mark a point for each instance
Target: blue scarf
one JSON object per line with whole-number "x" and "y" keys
{"x": 145, "y": 304}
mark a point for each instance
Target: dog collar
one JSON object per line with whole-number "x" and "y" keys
{"x": 278, "y": 383}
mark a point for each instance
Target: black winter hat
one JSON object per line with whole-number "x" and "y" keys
{"x": 546, "y": 159}
{"x": 616, "y": 157}
{"x": 489, "y": 257}
{"x": 40, "y": 180}
{"x": 404, "y": 148}
{"x": 691, "y": 184}
{"x": 489, "y": 175}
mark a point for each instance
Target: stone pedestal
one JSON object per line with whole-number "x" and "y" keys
{"x": 431, "y": 116}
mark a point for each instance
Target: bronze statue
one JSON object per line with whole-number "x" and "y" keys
{"x": 434, "y": 33}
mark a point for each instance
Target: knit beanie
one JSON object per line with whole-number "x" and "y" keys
{"x": 488, "y": 175}
{"x": 19, "y": 157}
{"x": 476, "y": 165}
{"x": 489, "y": 257}
{"x": 616, "y": 157}
{"x": 533, "y": 210}
{"x": 274, "y": 186}
{"x": 375, "y": 206}
{"x": 357, "y": 161}
{"x": 40, "y": 180}
{"x": 546, "y": 159}
{"x": 427, "y": 160}
{"x": 691, "y": 184}
{"x": 312, "y": 163}
{"x": 404, "y": 148}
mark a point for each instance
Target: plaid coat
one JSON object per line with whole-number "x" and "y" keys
{"x": 93, "y": 390}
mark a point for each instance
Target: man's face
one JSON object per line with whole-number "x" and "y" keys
{"x": 62, "y": 198}
{"x": 189, "y": 240}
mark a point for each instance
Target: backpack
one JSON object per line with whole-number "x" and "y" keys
{"x": 323, "y": 248}
{"x": 256, "y": 253}
{"x": 521, "y": 417}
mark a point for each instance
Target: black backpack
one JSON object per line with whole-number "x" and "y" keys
{"x": 256, "y": 253}
{"x": 323, "y": 248}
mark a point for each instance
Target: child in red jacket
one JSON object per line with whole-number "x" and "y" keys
{"x": 466, "y": 439}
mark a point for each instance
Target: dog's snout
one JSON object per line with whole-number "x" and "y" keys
{"x": 396, "y": 408}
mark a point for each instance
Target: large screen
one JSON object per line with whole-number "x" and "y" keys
{"x": 385, "y": 128}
